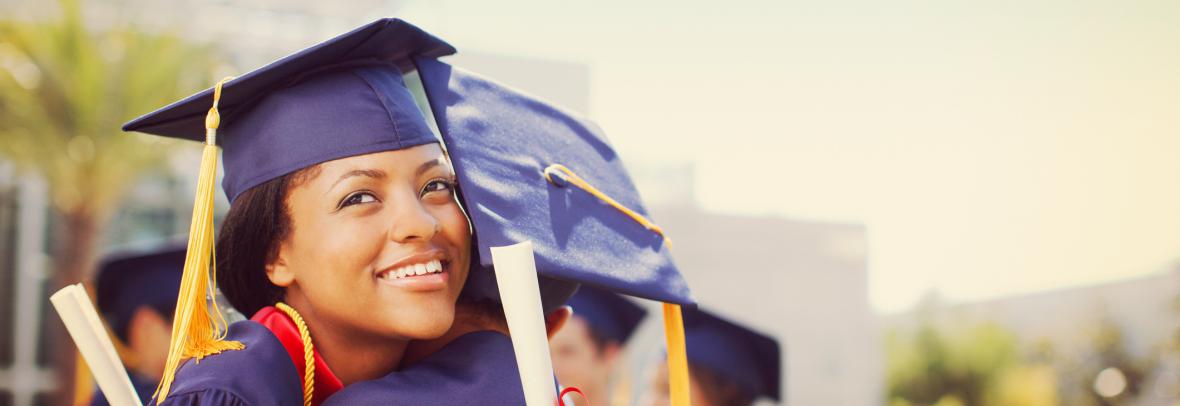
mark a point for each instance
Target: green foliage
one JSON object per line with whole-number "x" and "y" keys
{"x": 66, "y": 89}
{"x": 931, "y": 366}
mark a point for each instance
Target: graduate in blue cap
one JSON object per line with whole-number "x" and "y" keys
{"x": 136, "y": 295}
{"x": 529, "y": 171}
{"x": 730, "y": 364}
{"x": 344, "y": 238}
{"x": 587, "y": 351}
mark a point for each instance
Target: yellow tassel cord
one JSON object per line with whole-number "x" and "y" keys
{"x": 678, "y": 381}
{"x": 308, "y": 351}
{"x": 677, "y": 355}
{"x": 198, "y": 329}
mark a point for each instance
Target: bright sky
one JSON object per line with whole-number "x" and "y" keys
{"x": 990, "y": 147}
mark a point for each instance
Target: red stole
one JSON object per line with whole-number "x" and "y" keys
{"x": 284, "y": 328}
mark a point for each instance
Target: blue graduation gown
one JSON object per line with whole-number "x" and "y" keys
{"x": 260, "y": 374}
{"x": 476, "y": 368}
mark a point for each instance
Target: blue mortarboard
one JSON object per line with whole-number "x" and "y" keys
{"x": 129, "y": 280}
{"x": 501, "y": 143}
{"x": 339, "y": 98}
{"x": 611, "y": 316}
{"x": 748, "y": 358}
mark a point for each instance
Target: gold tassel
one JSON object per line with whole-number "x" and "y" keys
{"x": 678, "y": 381}
{"x": 198, "y": 329}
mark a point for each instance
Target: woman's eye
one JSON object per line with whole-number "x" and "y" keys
{"x": 438, "y": 185}
{"x": 358, "y": 198}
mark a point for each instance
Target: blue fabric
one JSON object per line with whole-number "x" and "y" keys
{"x": 500, "y": 142}
{"x": 260, "y": 374}
{"x": 610, "y": 316}
{"x": 348, "y": 111}
{"x": 476, "y": 368}
{"x": 143, "y": 386}
{"x": 340, "y": 98}
{"x": 748, "y": 358}
{"x": 129, "y": 280}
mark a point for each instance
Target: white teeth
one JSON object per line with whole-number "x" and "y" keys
{"x": 434, "y": 266}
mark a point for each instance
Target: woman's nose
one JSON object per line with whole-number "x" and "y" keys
{"x": 412, "y": 222}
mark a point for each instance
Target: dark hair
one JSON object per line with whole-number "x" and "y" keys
{"x": 258, "y": 220}
{"x": 719, "y": 389}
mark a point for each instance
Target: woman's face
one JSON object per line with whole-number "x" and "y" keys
{"x": 378, "y": 245}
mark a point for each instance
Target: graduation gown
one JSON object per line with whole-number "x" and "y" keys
{"x": 269, "y": 371}
{"x": 476, "y": 368}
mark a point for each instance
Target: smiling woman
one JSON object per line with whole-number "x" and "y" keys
{"x": 344, "y": 238}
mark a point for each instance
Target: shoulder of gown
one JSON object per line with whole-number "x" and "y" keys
{"x": 477, "y": 367}
{"x": 260, "y": 374}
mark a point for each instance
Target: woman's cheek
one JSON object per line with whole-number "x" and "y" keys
{"x": 454, "y": 225}
{"x": 342, "y": 247}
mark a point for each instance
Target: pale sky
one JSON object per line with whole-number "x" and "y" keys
{"x": 990, "y": 148}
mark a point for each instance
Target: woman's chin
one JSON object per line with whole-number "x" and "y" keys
{"x": 423, "y": 326}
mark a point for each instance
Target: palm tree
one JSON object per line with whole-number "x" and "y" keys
{"x": 64, "y": 91}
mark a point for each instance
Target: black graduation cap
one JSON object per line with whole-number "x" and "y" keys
{"x": 610, "y": 316}
{"x": 129, "y": 280}
{"x": 746, "y": 357}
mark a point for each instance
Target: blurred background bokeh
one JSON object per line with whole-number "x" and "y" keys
{"x": 927, "y": 202}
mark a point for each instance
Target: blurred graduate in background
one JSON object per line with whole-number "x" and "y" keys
{"x": 136, "y": 296}
{"x": 587, "y": 351}
{"x": 729, "y": 364}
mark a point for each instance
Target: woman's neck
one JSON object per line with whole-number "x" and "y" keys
{"x": 467, "y": 320}
{"x": 352, "y": 356}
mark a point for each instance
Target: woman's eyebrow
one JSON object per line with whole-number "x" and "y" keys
{"x": 372, "y": 173}
{"x": 429, "y": 165}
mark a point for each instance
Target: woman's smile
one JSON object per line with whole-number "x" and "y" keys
{"x": 421, "y": 272}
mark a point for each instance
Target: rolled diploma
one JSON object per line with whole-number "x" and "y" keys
{"x": 516, "y": 275}
{"x": 77, "y": 312}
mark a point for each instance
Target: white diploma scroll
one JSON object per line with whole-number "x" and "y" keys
{"x": 76, "y": 310}
{"x": 516, "y": 275}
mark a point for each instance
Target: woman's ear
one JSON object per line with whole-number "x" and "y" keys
{"x": 556, "y": 320}
{"x": 277, "y": 271}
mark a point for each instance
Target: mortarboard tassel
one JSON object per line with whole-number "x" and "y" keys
{"x": 677, "y": 355}
{"x": 678, "y": 380}
{"x": 198, "y": 328}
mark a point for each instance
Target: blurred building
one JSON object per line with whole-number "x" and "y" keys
{"x": 25, "y": 368}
